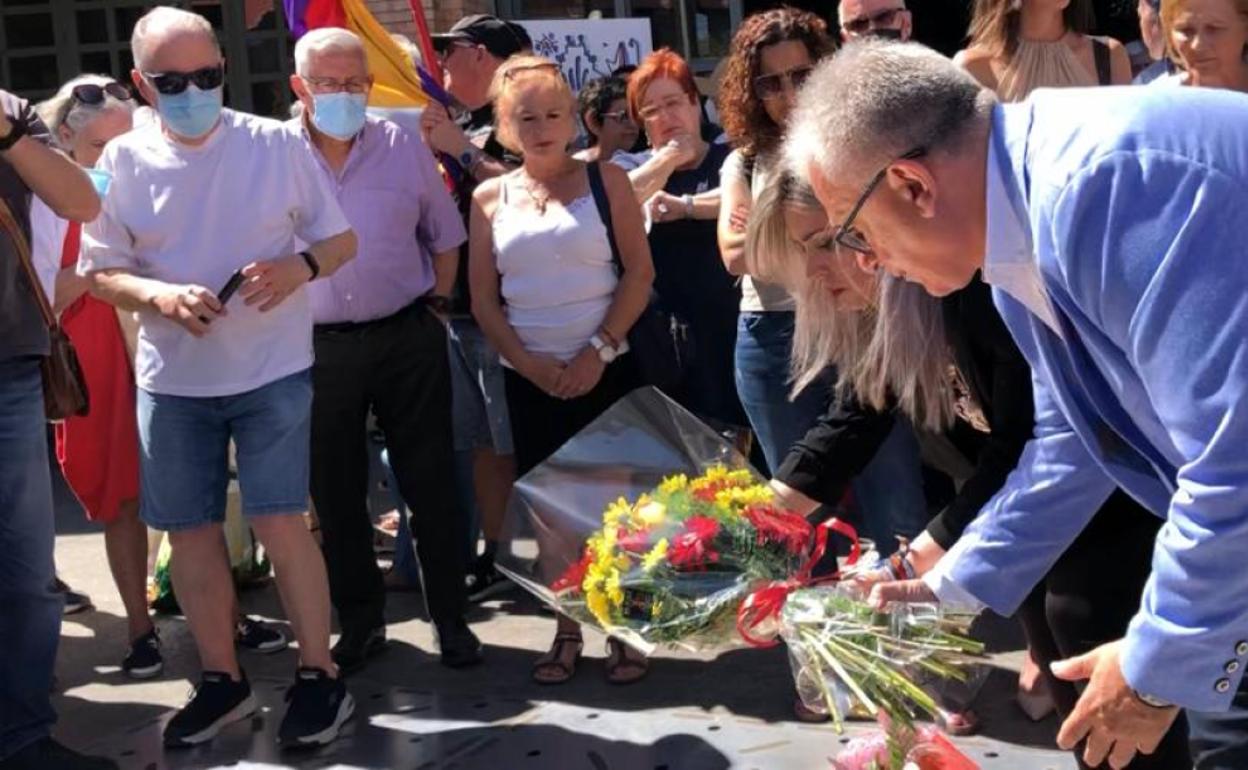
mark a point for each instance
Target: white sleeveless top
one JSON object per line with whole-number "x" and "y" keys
{"x": 556, "y": 275}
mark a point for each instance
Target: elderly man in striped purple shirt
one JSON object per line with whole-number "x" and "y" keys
{"x": 380, "y": 344}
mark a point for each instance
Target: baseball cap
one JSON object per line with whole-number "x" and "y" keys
{"x": 500, "y": 38}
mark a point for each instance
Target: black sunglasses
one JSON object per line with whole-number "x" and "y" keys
{"x": 771, "y": 86}
{"x": 861, "y": 24}
{"x": 173, "y": 83}
{"x": 94, "y": 93}
{"x": 847, "y": 235}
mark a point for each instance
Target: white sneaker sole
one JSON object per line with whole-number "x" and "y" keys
{"x": 150, "y": 672}
{"x": 345, "y": 710}
{"x": 244, "y": 709}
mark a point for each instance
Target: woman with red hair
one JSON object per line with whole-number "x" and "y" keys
{"x": 677, "y": 182}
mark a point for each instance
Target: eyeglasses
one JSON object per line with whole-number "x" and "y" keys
{"x": 772, "y": 86}
{"x": 884, "y": 18}
{"x": 622, "y": 117}
{"x": 174, "y": 83}
{"x": 95, "y": 93}
{"x": 451, "y": 48}
{"x": 849, "y": 236}
{"x": 331, "y": 86}
{"x": 516, "y": 72}
{"x": 670, "y": 104}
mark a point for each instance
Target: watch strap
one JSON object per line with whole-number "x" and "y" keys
{"x": 17, "y": 129}
{"x": 312, "y": 264}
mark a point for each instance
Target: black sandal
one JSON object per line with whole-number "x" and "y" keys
{"x": 553, "y": 660}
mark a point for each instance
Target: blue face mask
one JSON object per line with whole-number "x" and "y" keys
{"x": 191, "y": 113}
{"x": 339, "y": 115}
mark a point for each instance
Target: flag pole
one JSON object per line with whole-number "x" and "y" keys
{"x": 425, "y": 41}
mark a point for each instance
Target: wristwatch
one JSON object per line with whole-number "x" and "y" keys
{"x": 1152, "y": 700}
{"x": 688, "y": 201}
{"x": 312, "y": 264}
{"x": 469, "y": 157}
{"x": 606, "y": 353}
{"x": 17, "y": 129}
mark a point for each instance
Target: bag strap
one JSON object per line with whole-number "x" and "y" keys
{"x": 599, "y": 191}
{"x": 8, "y": 223}
{"x": 1100, "y": 54}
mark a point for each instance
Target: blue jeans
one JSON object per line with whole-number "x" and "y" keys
{"x": 889, "y": 490}
{"x": 1219, "y": 740}
{"x": 31, "y": 619}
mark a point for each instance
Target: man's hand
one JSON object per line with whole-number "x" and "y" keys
{"x": 542, "y": 371}
{"x": 271, "y": 281}
{"x": 192, "y": 307}
{"x": 1115, "y": 722}
{"x": 883, "y": 595}
{"x": 440, "y": 132}
{"x": 580, "y": 376}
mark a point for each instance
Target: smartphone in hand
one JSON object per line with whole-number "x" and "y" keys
{"x": 230, "y": 287}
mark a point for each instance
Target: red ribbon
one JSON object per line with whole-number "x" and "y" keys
{"x": 768, "y": 601}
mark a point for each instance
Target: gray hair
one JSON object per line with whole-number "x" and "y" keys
{"x": 64, "y": 110}
{"x": 160, "y": 19}
{"x": 894, "y": 352}
{"x": 323, "y": 40}
{"x": 876, "y": 100}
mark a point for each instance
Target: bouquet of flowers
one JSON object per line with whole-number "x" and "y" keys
{"x": 848, "y": 658}
{"x": 899, "y": 747}
{"x": 675, "y": 566}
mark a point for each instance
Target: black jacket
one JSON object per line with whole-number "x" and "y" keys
{"x": 848, "y": 435}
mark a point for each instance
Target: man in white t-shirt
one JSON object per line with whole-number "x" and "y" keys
{"x": 197, "y": 195}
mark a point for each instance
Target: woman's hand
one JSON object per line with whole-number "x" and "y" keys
{"x": 665, "y": 207}
{"x": 542, "y": 371}
{"x": 582, "y": 375}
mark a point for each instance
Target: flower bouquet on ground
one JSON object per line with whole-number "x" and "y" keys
{"x": 675, "y": 565}
{"x": 901, "y": 747}
{"x": 848, "y": 658}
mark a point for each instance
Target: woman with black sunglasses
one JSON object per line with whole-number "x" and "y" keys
{"x": 98, "y": 452}
{"x": 772, "y": 54}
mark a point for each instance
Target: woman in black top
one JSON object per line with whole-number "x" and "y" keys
{"x": 957, "y": 370}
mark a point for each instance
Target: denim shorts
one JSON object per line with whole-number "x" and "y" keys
{"x": 184, "y": 453}
{"x": 479, "y": 399}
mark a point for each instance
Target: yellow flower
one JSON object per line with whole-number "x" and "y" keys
{"x": 599, "y": 607}
{"x": 673, "y": 484}
{"x": 656, "y": 556}
{"x": 650, "y": 514}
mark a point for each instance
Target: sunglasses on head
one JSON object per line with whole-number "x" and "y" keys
{"x": 771, "y": 86}
{"x": 94, "y": 93}
{"x": 173, "y": 83}
{"x": 861, "y": 24}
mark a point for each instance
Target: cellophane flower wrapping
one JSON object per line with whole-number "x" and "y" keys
{"x": 652, "y": 528}
{"x": 849, "y": 660}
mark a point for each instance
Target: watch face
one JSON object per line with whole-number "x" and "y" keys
{"x": 465, "y": 159}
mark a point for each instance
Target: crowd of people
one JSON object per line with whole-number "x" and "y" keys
{"x": 1000, "y": 327}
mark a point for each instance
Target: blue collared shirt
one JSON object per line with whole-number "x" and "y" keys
{"x": 1135, "y": 206}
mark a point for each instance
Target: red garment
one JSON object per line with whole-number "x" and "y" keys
{"x": 99, "y": 453}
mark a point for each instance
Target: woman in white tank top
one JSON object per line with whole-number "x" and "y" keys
{"x": 548, "y": 296}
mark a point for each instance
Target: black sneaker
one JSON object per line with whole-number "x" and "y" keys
{"x": 75, "y": 602}
{"x": 354, "y": 648}
{"x": 485, "y": 581}
{"x": 319, "y": 706}
{"x": 460, "y": 647}
{"x": 251, "y": 634}
{"x": 144, "y": 660}
{"x": 214, "y": 704}
{"x": 47, "y": 754}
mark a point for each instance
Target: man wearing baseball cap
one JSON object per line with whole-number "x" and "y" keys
{"x": 470, "y": 53}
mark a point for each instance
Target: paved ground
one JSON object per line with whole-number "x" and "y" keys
{"x": 733, "y": 711}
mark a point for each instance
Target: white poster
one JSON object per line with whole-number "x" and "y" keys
{"x": 587, "y": 49}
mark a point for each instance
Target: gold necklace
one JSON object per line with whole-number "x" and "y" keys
{"x": 540, "y": 201}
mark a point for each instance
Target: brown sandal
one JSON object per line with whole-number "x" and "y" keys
{"x": 553, "y": 660}
{"x": 621, "y": 668}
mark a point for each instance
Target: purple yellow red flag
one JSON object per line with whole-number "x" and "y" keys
{"x": 397, "y": 81}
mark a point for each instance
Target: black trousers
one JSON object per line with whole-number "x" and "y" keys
{"x": 397, "y": 367}
{"x": 541, "y": 423}
{"x": 1088, "y": 599}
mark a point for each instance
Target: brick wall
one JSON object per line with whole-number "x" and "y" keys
{"x": 396, "y": 15}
